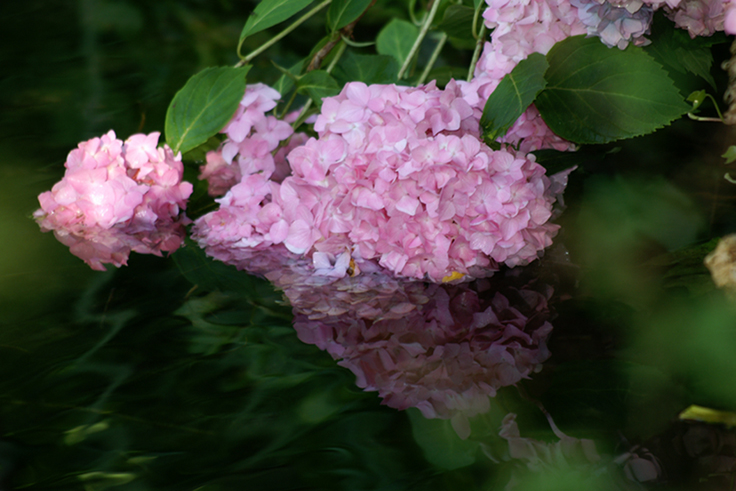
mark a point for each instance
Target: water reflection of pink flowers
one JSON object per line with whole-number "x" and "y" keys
{"x": 444, "y": 349}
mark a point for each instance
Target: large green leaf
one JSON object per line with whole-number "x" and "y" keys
{"x": 269, "y": 13}
{"x": 396, "y": 39}
{"x": 343, "y": 12}
{"x": 318, "y": 84}
{"x": 203, "y": 106}
{"x": 596, "y": 94}
{"x": 513, "y": 95}
{"x": 369, "y": 69}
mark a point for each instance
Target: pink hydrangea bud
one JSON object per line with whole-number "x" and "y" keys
{"x": 117, "y": 197}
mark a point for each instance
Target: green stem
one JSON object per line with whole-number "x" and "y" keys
{"x": 302, "y": 115}
{"x": 433, "y": 59}
{"x": 719, "y": 119}
{"x": 288, "y": 104}
{"x": 476, "y": 14}
{"x": 420, "y": 38}
{"x": 280, "y": 35}
{"x": 338, "y": 54}
{"x": 476, "y": 53}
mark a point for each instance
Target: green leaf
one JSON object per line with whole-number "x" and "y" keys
{"x": 458, "y": 22}
{"x": 318, "y": 84}
{"x": 269, "y": 13}
{"x": 343, "y": 12}
{"x": 688, "y": 60}
{"x": 596, "y": 95}
{"x": 204, "y": 106}
{"x": 440, "y": 443}
{"x": 513, "y": 95}
{"x": 697, "y": 62}
{"x": 211, "y": 275}
{"x": 369, "y": 69}
{"x": 396, "y": 39}
{"x": 730, "y": 154}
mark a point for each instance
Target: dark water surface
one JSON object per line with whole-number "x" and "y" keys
{"x": 184, "y": 374}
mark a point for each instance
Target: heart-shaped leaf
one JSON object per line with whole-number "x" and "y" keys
{"x": 396, "y": 39}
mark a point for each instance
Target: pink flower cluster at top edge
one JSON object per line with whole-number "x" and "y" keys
{"x": 252, "y": 136}
{"x": 117, "y": 197}
{"x": 397, "y": 176}
{"x": 522, "y": 27}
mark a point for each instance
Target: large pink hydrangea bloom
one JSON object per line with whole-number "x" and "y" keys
{"x": 399, "y": 177}
{"x": 117, "y": 197}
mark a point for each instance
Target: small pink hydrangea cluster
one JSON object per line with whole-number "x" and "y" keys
{"x": 444, "y": 349}
{"x": 252, "y": 137}
{"x": 704, "y": 17}
{"x": 117, "y": 197}
{"x": 397, "y": 176}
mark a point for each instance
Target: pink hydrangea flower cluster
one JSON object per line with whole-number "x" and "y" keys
{"x": 117, "y": 197}
{"x": 252, "y": 137}
{"x": 398, "y": 176}
{"x": 704, "y": 17}
{"x": 444, "y": 349}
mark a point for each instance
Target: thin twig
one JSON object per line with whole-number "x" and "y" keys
{"x": 420, "y": 38}
{"x": 433, "y": 59}
{"x": 280, "y": 35}
{"x": 476, "y": 54}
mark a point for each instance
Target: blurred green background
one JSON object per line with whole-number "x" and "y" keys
{"x": 129, "y": 380}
